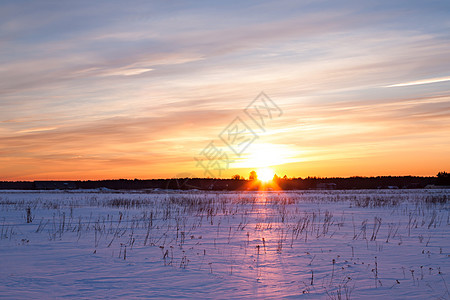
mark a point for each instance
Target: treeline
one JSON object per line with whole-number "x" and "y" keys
{"x": 380, "y": 182}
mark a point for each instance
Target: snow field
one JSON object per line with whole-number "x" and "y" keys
{"x": 371, "y": 244}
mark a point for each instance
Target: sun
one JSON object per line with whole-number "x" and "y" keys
{"x": 265, "y": 174}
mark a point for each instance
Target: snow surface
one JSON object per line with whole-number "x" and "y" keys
{"x": 364, "y": 244}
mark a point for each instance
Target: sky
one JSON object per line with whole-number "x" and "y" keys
{"x": 144, "y": 89}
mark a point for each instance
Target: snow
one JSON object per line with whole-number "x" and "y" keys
{"x": 370, "y": 244}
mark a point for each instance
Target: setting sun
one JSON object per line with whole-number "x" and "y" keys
{"x": 265, "y": 174}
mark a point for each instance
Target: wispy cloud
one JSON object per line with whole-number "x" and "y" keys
{"x": 128, "y": 71}
{"x": 38, "y": 129}
{"x": 422, "y": 81}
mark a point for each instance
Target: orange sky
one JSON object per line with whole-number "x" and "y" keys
{"x": 128, "y": 91}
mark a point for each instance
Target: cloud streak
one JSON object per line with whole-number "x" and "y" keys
{"x": 423, "y": 81}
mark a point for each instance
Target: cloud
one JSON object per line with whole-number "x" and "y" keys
{"x": 36, "y": 129}
{"x": 423, "y": 81}
{"x": 128, "y": 71}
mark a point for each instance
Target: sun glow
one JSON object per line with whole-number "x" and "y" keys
{"x": 264, "y": 155}
{"x": 265, "y": 174}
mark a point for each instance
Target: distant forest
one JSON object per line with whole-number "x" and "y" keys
{"x": 236, "y": 183}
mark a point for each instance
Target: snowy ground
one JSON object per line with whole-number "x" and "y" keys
{"x": 392, "y": 244}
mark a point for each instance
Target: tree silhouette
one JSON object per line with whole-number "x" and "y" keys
{"x": 443, "y": 178}
{"x": 236, "y": 177}
{"x": 253, "y": 176}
